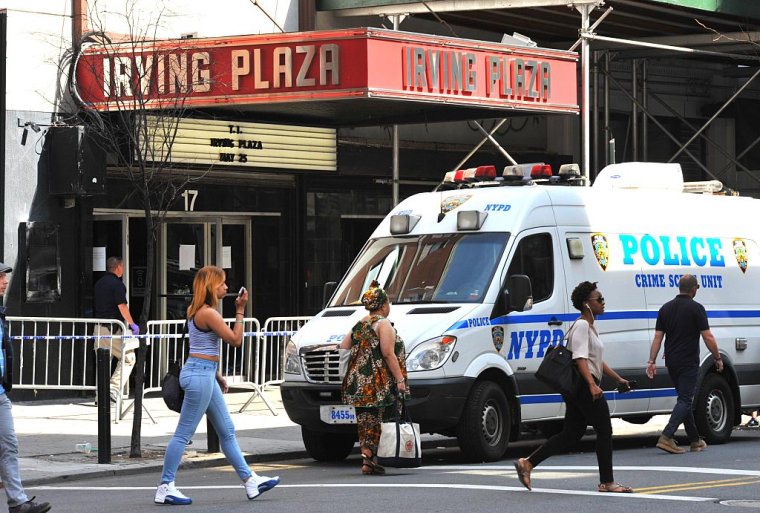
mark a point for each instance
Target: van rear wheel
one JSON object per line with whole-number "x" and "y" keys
{"x": 483, "y": 430}
{"x": 714, "y": 409}
{"x": 327, "y": 446}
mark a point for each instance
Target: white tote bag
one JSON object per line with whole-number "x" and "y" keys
{"x": 344, "y": 359}
{"x": 400, "y": 444}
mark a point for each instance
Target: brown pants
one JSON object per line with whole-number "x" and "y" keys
{"x": 368, "y": 421}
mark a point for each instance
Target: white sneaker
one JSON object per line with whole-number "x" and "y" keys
{"x": 257, "y": 485}
{"x": 167, "y": 493}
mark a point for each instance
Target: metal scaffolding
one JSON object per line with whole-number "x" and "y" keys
{"x": 595, "y": 65}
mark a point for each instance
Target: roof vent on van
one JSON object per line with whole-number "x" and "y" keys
{"x": 641, "y": 175}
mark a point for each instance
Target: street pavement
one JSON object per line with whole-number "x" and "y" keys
{"x": 51, "y": 469}
{"x": 693, "y": 483}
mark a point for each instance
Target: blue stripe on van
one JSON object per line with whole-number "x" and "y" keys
{"x": 610, "y": 316}
{"x": 633, "y": 394}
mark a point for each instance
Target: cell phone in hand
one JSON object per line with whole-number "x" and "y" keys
{"x": 240, "y": 292}
{"x": 622, "y": 388}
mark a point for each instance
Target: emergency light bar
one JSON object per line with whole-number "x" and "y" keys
{"x": 473, "y": 174}
{"x": 707, "y": 187}
{"x": 541, "y": 171}
{"x": 469, "y": 175}
{"x": 513, "y": 173}
{"x": 483, "y": 173}
{"x": 569, "y": 170}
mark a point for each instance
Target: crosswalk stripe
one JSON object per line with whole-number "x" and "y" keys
{"x": 396, "y": 486}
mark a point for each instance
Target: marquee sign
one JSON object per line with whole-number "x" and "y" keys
{"x": 215, "y": 142}
{"x": 327, "y": 65}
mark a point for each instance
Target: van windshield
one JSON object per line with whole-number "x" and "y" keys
{"x": 439, "y": 268}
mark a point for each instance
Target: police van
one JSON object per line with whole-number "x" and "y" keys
{"x": 480, "y": 272}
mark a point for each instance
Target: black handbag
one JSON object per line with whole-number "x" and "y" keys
{"x": 557, "y": 369}
{"x": 171, "y": 391}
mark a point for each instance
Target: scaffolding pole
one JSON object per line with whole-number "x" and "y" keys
{"x": 585, "y": 11}
{"x": 396, "y": 174}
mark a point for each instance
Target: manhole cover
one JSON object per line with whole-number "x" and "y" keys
{"x": 742, "y": 504}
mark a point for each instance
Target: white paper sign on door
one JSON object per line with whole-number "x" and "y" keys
{"x": 99, "y": 258}
{"x": 226, "y": 257}
{"x": 186, "y": 257}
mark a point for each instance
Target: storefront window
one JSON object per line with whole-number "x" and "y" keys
{"x": 43, "y": 269}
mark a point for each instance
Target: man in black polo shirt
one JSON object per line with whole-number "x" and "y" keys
{"x": 681, "y": 321}
{"x": 111, "y": 303}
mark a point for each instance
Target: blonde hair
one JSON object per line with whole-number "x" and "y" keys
{"x": 205, "y": 283}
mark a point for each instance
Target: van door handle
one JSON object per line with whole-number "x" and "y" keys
{"x": 554, "y": 322}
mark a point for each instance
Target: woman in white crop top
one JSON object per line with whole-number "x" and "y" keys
{"x": 203, "y": 385}
{"x": 587, "y": 404}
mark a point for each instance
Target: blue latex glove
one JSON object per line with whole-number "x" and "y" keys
{"x": 135, "y": 329}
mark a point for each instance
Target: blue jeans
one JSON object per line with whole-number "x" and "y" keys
{"x": 9, "y": 455}
{"x": 685, "y": 381}
{"x": 202, "y": 395}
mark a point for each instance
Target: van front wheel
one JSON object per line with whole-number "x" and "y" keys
{"x": 714, "y": 409}
{"x": 327, "y": 446}
{"x": 483, "y": 430}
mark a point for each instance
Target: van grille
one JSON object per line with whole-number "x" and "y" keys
{"x": 322, "y": 366}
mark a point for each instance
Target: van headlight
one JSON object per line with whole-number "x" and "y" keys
{"x": 292, "y": 359}
{"x": 430, "y": 354}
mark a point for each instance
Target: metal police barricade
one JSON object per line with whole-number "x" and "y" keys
{"x": 166, "y": 345}
{"x": 238, "y": 364}
{"x": 270, "y": 353}
{"x": 54, "y": 353}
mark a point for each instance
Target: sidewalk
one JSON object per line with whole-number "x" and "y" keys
{"x": 48, "y": 432}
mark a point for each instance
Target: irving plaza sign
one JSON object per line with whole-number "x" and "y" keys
{"x": 327, "y": 66}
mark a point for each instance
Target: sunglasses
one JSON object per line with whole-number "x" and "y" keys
{"x": 599, "y": 299}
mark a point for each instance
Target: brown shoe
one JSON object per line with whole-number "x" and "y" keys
{"x": 667, "y": 444}
{"x": 523, "y": 474}
{"x": 699, "y": 445}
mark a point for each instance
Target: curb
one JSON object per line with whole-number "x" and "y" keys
{"x": 157, "y": 465}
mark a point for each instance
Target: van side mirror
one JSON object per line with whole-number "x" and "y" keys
{"x": 520, "y": 293}
{"x": 327, "y": 291}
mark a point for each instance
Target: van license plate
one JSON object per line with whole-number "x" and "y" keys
{"x": 340, "y": 414}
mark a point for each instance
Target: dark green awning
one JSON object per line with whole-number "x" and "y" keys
{"x": 550, "y": 22}
{"x": 733, "y": 7}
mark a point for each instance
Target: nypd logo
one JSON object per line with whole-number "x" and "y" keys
{"x": 740, "y": 252}
{"x": 497, "y": 335}
{"x": 453, "y": 202}
{"x": 601, "y": 250}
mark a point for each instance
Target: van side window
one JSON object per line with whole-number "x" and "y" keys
{"x": 534, "y": 258}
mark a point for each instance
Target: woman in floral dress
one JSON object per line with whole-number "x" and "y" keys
{"x": 376, "y": 373}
